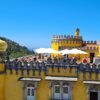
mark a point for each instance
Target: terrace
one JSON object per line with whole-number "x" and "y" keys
{"x": 45, "y": 65}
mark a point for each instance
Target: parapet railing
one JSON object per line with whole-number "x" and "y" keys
{"x": 69, "y": 37}
{"x": 44, "y": 66}
{"x": 90, "y": 42}
{"x": 22, "y": 66}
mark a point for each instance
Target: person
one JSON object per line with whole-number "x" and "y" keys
{"x": 88, "y": 59}
{"x": 49, "y": 60}
{"x": 84, "y": 60}
{"x": 55, "y": 60}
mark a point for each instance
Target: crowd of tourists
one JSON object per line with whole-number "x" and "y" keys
{"x": 50, "y": 59}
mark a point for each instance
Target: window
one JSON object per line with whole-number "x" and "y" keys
{"x": 57, "y": 93}
{"x": 32, "y": 92}
{"x": 66, "y": 92}
{"x": 60, "y": 90}
{"x": 28, "y": 92}
{"x": 65, "y": 89}
{"x": 57, "y": 89}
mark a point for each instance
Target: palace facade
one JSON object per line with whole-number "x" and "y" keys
{"x": 60, "y": 42}
{"x": 54, "y": 79}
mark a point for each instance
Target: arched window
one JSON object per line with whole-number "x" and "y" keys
{"x": 60, "y": 91}
{"x": 57, "y": 90}
{"x": 30, "y": 92}
{"x": 66, "y": 91}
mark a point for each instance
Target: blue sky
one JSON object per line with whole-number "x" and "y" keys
{"x": 33, "y": 22}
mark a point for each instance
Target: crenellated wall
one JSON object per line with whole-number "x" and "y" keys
{"x": 12, "y": 88}
{"x": 62, "y": 42}
{"x": 58, "y": 42}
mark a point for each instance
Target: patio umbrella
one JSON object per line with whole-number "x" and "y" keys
{"x": 46, "y": 51}
{"x": 76, "y": 51}
{"x": 72, "y": 51}
{"x": 65, "y": 51}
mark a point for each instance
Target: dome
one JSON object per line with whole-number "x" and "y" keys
{"x": 3, "y": 45}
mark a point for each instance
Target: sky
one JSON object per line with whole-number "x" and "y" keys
{"x": 33, "y": 22}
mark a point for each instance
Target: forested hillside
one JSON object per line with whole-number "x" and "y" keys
{"x": 15, "y": 49}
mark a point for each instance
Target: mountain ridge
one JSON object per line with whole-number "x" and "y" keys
{"x": 15, "y": 49}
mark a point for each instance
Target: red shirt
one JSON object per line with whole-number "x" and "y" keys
{"x": 84, "y": 60}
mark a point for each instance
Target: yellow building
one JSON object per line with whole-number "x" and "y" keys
{"x": 49, "y": 81}
{"x": 60, "y": 42}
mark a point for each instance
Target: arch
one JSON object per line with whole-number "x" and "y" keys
{"x": 65, "y": 83}
{"x": 56, "y": 83}
{"x": 30, "y": 85}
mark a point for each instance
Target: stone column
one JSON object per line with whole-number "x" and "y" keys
{"x": 61, "y": 90}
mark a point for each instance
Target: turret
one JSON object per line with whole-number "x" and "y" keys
{"x": 3, "y": 47}
{"x": 77, "y": 32}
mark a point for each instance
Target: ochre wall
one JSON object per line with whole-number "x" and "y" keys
{"x": 79, "y": 91}
{"x": 2, "y": 82}
{"x": 71, "y": 43}
{"x": 12, "y": 89}
{"x": 42, "y": 90}
{"x": 2, "y": 87}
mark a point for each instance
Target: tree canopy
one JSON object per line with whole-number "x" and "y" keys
{"x": 15, "y": 49}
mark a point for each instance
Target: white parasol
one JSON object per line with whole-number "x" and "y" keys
{"x": 46, "y": 50}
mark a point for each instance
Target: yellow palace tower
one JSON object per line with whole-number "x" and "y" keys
{"x": 60, "y": 42}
